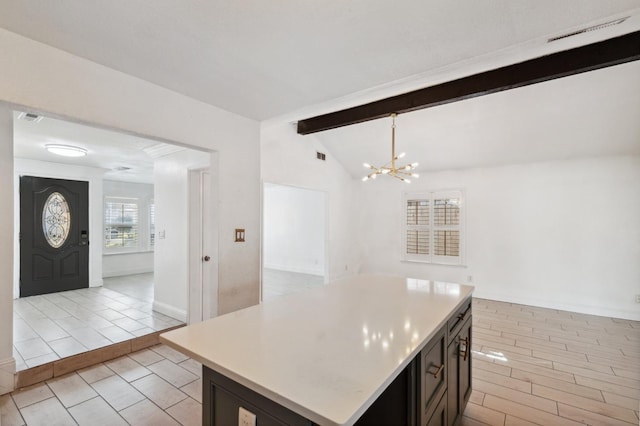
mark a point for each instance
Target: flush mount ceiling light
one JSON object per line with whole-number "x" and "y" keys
{"x": 66, "y": 150}
{"x": 402, "y": 172}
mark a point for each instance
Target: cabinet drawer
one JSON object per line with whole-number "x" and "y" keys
{"x": 458, "y": 318}
{"x": 433, "y": 373}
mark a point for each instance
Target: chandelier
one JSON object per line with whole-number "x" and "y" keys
{"x": 402, "y": 172}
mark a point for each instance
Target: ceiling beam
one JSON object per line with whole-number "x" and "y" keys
{"x": 591, "y": 57}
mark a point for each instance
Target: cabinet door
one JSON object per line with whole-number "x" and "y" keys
{"x": 464, "y": 373}
{"x": 439, "y": 417}
{"x": 452, "y": 382}
{"x": 433, "y": 374}
{"x": 459, "y": 379}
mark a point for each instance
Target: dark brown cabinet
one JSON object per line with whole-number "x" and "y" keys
{"x": 439, "y": 417}
{"x": 456, "y": 353}
{"x": 433, "y": 374}
{"x": 459, "y": 378}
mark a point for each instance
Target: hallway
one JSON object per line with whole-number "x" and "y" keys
{"x": 57, "y": 325}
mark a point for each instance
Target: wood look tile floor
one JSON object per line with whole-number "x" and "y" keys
{"x": 57, "y": 325}
{"x": 155, "y": 386}
{"x": 276, "y": 283}
{"x": 531, "y": 366}
{"x": 537, "y": 366}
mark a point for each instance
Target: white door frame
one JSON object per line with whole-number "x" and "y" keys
{"x": 203, "y": 274}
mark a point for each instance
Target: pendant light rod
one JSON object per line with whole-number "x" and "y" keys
{"x": 402, "y": 173}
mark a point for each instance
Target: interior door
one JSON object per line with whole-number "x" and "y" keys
{"x": 54, "y": 235}
{"x": 200, "y": 253}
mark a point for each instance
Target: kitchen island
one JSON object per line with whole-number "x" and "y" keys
{"x": 368, "y": 349}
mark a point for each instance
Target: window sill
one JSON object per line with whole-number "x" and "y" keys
{"x": 116, "y": 253}
{"x": 426, "y": 262}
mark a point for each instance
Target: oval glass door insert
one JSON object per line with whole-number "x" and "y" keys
{"x": 56, "y": 220}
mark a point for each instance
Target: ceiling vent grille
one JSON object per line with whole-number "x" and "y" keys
{"x": 321, "y": 156}
{"x": 27, "y": 116}
{"x": 589, "y": 29}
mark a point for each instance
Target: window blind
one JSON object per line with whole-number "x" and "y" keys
{"x": 433, "y": 227}
{"x": 121, "y": 224}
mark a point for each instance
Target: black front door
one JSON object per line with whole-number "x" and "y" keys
{"x": 54, "y": 235}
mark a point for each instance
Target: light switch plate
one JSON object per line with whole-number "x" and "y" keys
{"x": 246, "y": 417}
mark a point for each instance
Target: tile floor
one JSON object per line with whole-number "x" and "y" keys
{"x": 531, "y": 366}
{"x": 155, "y": 386}
{"x": 53, "y": 326}
{"x": 277, "y": 283}
{"x": 547, "y": 367}
{"x": 139, "y": 286}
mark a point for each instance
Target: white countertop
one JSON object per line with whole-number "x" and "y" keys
{"x": 327, "y": 353}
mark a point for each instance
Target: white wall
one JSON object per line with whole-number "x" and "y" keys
{"x": 7, "y": 363}
{"x": 171, "y": 263}
{"x": 93, "y": 175}
{"x": 294, "y": 229}
{"x": 42, "y": 79}
{"x": 115, "y": 264}
{"x": 290, "y": 159}
{"x": 562, "y": 234}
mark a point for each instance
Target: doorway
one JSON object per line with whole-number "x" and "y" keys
{"x": 54, "y": 235}
{"x": 135, "y": 252}
{"x": 294, "y": 240}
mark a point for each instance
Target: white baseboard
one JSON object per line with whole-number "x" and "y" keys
{"x": 96, "y": 283}
{"x": 7, "y": 375}
{"x": 170, "y": 311}
{"x": 298, "y": 269}
{"x": 123, "y": 272}
{"x": 582, "y": 309}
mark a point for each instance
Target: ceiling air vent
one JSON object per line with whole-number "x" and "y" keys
{"x": 321, "y": 156}
{"x": 122, "y": 169}
{"x": 27, "y": 116}
{"x": 588, "y": 29}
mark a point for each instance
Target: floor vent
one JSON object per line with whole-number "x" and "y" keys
{"x": 589, "y": 29}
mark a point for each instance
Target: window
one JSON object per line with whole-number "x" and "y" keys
{"x": 432, "y": 230}
{"x": 152, "y": 224}
{"x": 121, "y": 223}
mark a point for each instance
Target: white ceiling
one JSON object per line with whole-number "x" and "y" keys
{"x": 262, "y": 58}
{"x": 590, "y": 114}
{"x": 291, "y": 59}
{"x": 107, "y": 150}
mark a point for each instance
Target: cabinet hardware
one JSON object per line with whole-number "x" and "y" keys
{"x": 437, "y": 373}
{"x": 466, "y": 348}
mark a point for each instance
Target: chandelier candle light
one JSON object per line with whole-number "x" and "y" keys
{"x": 403, "y": 172}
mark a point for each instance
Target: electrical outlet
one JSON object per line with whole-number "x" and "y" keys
{"x": 246, "y": 417}
{"x": 637, "y": 298}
